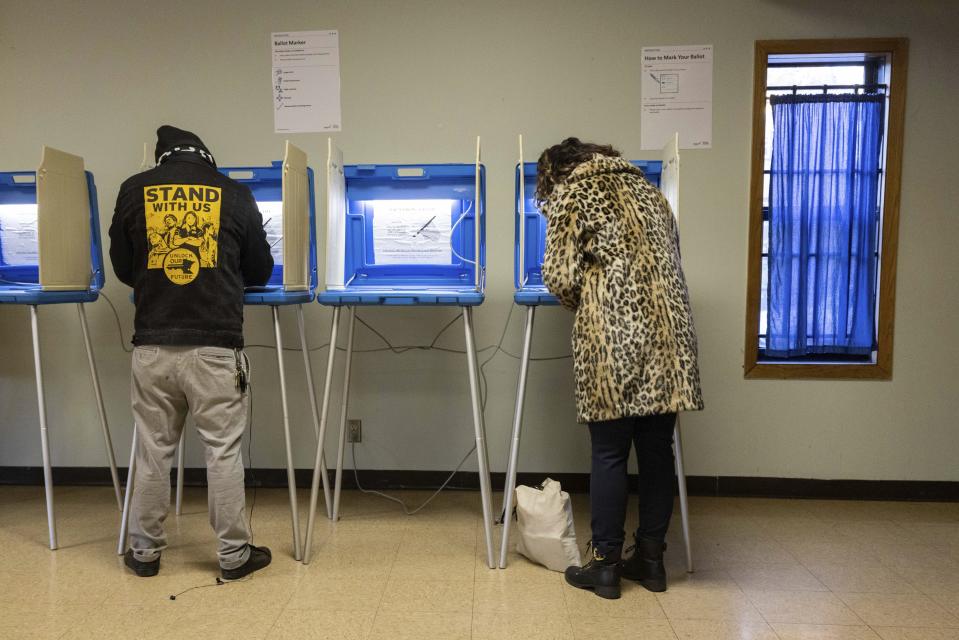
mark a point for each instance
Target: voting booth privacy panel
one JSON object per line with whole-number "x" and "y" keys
{"x": 403, "y": 235}
{"x": 50, "y": 233}
{"x": 284, "y": 194}
{"x": 529, "y": 249}
{"x": 50, "y": 253}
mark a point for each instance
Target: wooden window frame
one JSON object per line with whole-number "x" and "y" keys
{"x": 898, "y": 51}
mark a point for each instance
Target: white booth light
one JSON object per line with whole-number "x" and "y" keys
{"x": 19, "y": 243}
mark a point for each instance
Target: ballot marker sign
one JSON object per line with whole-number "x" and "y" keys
{"x": 306, "y": 81}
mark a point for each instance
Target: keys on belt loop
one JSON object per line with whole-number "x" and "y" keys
{"x": 239, "y": 375}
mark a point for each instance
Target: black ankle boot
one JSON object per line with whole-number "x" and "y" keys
{"x": 645, "y": 566}
{"x": 600, "y": 574}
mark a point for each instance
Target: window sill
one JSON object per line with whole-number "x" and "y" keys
{"x": 817, "y": 371}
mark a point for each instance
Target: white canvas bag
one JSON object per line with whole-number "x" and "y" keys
{"x": 544, "y": 525}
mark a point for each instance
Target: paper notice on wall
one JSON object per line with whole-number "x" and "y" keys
{"x": 272, "y": 213}
{"x": 678, "y": 96}
{"x": 412, "y": 232}
{"x": 306, "y": 81}
{"x": 19, "y": 244}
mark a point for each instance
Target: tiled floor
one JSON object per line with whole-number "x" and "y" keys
{"x": 766, "y": 569}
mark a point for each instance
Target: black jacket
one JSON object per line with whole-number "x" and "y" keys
{"x": 188, "y": 240}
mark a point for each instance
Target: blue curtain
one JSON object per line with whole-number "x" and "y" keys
{"x": 823, "y": 201}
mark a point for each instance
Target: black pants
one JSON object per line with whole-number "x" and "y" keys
{"x": 608, "y": 484}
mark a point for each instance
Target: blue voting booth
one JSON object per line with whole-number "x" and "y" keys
{"x": 529, "y": 249}
{"x": 410, "y": 237}
{"x": 284, "y": 193}
{"x": 404, "y": 235}
{"x": 50, "y": 253}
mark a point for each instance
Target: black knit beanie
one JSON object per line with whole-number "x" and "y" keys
{"x": 169, "y": 137}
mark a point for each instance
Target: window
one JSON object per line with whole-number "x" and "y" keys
{"x": 827, "y": 138}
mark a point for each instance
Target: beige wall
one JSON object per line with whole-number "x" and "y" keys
{"x": 420, "y": 80}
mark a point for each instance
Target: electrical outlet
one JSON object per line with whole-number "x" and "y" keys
{"x": 355, "y": 430}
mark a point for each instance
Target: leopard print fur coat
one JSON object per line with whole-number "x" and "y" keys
{"x": 612, "y": 256}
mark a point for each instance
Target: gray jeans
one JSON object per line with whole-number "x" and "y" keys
{"x": 167, "y": 383}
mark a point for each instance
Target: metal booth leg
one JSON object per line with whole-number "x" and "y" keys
{"x": 343, "y": 409}
{"x": 290, "y": 475}
{"x": 44, "y": 441}
{"x": 128, "y": 495}
{"x": 101, "y": 411}
{"x": 318, "y": 459}
{"x": 180, "y": 469}
{"x": 683, "y": 497}
{"x": 479, "y": 427}
{"x": 508, "y": 490}
{"x": 316, "y": 414}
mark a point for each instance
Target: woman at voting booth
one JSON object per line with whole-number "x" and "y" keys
{"x": 188, "y": 239}
{"x": 612, "y": 257}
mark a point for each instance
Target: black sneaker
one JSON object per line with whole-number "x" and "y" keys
{"x": 142, "y": 569}
{"x": 645, "y": 566}
{"x": 600, "y": 575}
{"x": 260, "y": 557}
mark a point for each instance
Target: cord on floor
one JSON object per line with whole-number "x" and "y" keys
{"x": 406, "y": 509}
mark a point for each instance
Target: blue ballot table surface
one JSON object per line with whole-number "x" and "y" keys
{"x": 275, "y": 296}
{"x": 357, "y": 296}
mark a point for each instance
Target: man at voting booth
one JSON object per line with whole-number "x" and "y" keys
{"x": 188, "y": 240}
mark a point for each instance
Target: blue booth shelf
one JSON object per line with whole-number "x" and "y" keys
{"x": 530, "y": 290}
{"x": 368, "y": 282}
{"x": 266, "y": 183}
{"x": 20, "y": 283}
{"x": 276, "y": 297}
{"x": 401, "y": 297}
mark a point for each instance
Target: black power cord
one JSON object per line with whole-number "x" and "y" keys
{"x": 219, "y": 582}
{"x": 431, "y": 346}
{"x": 116, "y": 316}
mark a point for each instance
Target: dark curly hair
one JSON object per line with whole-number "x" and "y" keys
{"x": 557, "y": 162}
